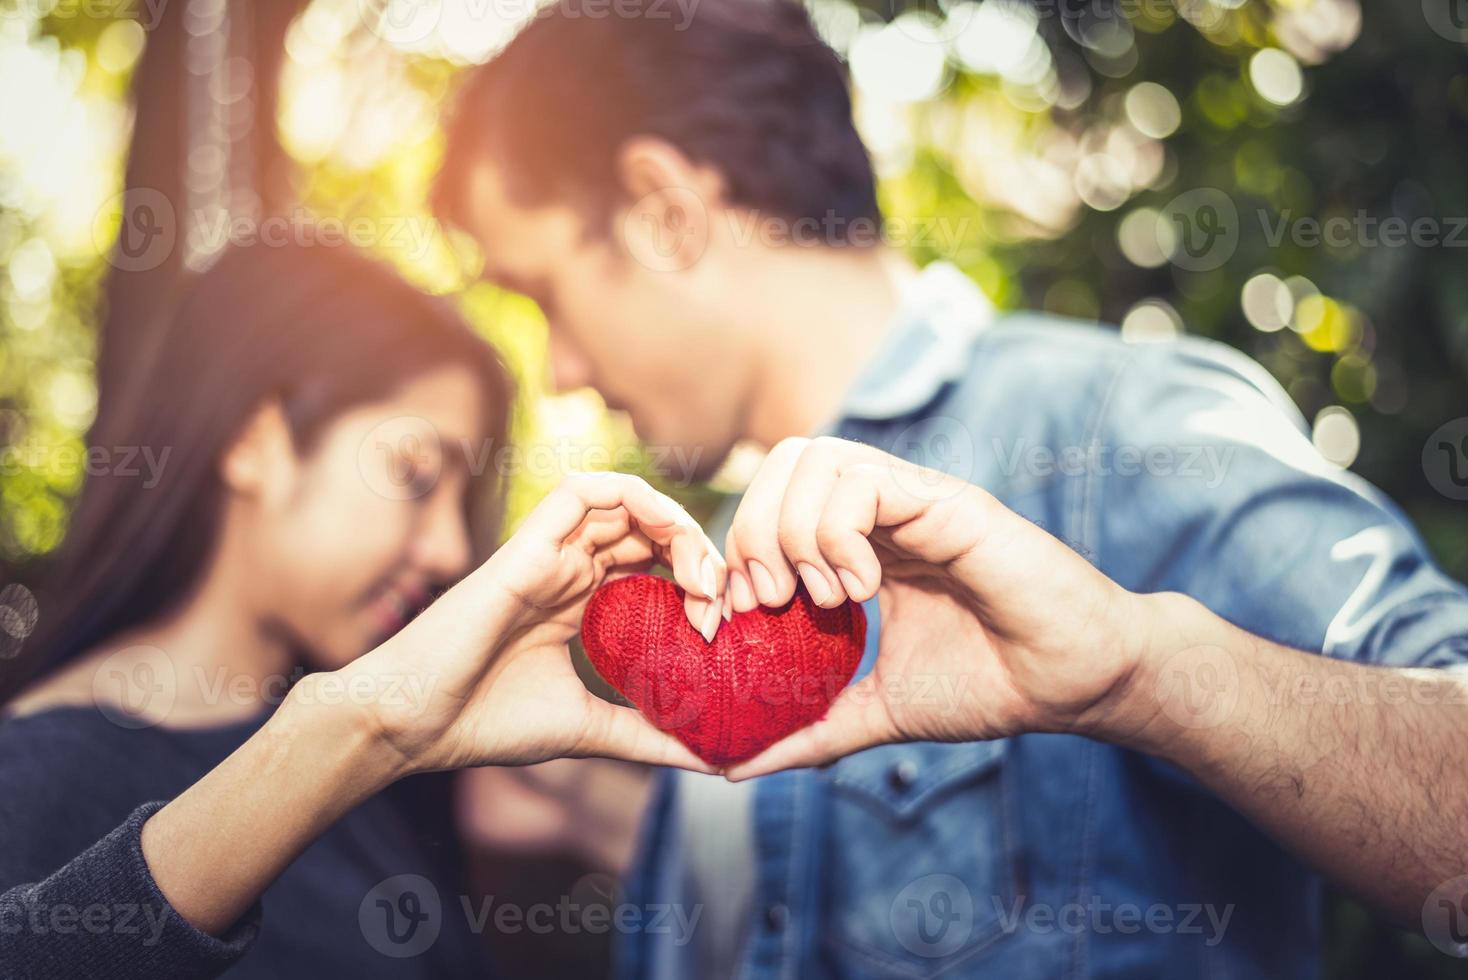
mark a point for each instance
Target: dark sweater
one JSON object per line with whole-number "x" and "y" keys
{"x": 77, "y": 899}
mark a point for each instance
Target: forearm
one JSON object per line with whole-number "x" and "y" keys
{"x": 101, "y": 915}
{"x": 219, "y": 845}
{"x": 1356, "y": 768}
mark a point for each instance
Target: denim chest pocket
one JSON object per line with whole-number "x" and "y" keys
{"x": 922, "y": 862}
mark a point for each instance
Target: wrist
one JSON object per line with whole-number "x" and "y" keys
{"x": 1152, "y": 635}
{"x": 334, "y": 715}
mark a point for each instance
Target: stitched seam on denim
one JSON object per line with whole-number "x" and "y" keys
{"x": 1084, "y": 515}
{"x": 789, "y": 966}
{"x": 960, "y": 765}
{"x": 1008, "y": 822}
{"x": 1086, "y": 856}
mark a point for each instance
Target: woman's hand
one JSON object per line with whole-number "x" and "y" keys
{"x": 484, "y": 675}
{"x": 990, "y": 626}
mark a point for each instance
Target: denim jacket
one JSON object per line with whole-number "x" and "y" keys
{"x": 1174, "y": 466}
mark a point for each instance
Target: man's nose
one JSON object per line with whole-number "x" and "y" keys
{"x": 569, "y": 368}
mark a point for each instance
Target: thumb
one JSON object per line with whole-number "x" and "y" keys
{"x": 858, "y": 719}
{"x": 618, "y": 732}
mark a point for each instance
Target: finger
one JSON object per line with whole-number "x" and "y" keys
{"x": 602, "y": 527}
{"x": 752, "y": 547}
{"x": 562, "y": 510}
{"x": 856, "y": 720}
{"x": 634, "y": 549}
{"x": 631, "y": 551}
{"x": 806, "y": 495}
{"x": 684, "y": 549}
{"x": 844, "y": 526}
{"x": 617, "y": 732}
{"x": 695, "y": 562}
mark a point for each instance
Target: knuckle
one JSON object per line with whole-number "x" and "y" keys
{"x": 831, "y": 538}
{"x": 743, "y": 537}
{"x": 795, "y": 542}
{"x": 827, "y": 445}
{"x": 789, "y": 447}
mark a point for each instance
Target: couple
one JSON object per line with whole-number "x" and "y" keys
{"x": 1151, "y": 727}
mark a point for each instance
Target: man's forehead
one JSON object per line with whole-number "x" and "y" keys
{"x": 510, "y": 234}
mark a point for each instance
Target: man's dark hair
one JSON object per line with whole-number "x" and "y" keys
{"x": 745, "y": 86}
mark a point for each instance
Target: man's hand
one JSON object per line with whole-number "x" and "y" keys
{"x": 1352, "y": 766}
{"x": 1013, "y": 629}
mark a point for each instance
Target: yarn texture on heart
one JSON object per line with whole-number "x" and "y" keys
{"x": 768, "y": 672}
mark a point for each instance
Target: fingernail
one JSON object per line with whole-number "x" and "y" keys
{"x": 815, "y": 583}
{"x": 708, "y": 579}
{"x": 740, "y": 592}
{"x": 711, "y": 621}
{"x": 764, "y": 584}
{"x": 849, "y": 582}
{"x": 728, "y": 609}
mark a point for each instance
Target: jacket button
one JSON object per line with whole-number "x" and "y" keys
{"x": 776, "y": 916}
{"x": 902, "y": 775}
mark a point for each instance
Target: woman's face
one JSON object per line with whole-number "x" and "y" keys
{"x": 372, "y": 517}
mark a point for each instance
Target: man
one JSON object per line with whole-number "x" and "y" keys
{"x": 627, "y": 176}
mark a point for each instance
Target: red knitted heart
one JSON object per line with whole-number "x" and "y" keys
{"x": 768, "y": 672}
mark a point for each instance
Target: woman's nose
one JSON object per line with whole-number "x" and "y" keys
{"x": 444, "y": 549}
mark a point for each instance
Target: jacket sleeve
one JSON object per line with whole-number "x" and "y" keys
{"x": 102, "y": 915}
{"x": 1212, "y": 487}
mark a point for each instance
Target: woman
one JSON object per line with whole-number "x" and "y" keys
{"x": 225, "y": 688}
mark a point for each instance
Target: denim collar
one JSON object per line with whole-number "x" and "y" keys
{"x": 940, "y": 313}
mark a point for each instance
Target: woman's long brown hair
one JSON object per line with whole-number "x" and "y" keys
{"x": 320, "y": 329}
